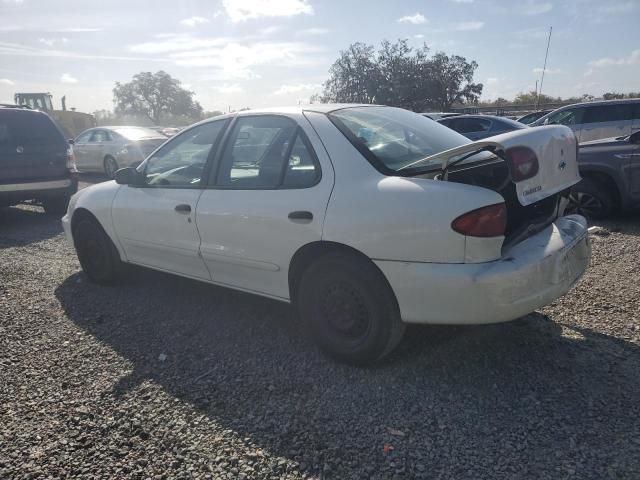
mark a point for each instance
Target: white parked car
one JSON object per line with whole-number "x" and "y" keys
{"x": 364, "y": 217}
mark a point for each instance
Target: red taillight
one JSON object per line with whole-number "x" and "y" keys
{"x": 523, "y": 163}
{"x": 488, "y": 221}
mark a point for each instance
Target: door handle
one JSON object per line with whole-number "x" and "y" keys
{"x": 301, "y": 215}
{"x": 183, "y": 208}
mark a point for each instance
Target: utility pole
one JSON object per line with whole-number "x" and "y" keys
{"x": 544, "y": 68}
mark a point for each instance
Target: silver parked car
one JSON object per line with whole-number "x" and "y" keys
{"x": 597, "y": 120}
{"x": 106, "y": 149}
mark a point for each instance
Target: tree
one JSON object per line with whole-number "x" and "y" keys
{"x": 452, "y": 78}
{"x": 401, "y": 76}
{"x": 612, "y": 95}
{"x": 155, "y": 95}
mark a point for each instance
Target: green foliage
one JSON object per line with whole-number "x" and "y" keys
{"x": 400, "y": 76}
{"x": 155, "y": 95}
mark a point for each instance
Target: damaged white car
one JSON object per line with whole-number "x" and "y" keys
{"x": 364, "y": 217}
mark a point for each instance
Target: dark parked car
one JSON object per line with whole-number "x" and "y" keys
{"x": 476, "y": 127}
{"x": 610, "y": 170}
{"x": 532, "y": 117}
{"x": 36, "y": 161}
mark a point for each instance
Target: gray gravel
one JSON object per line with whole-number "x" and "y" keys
{"x": 163, "y": 377}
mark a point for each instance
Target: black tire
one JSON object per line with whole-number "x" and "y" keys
{"x": 97, "y": 254}
{"x": 56, "y": 206}
{"x": 110, "y": 167}
{"x": 350, "y": 309}
{"x": 591, "y": 199}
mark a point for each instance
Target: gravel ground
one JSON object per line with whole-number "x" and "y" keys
{"x": 163, "y": 377}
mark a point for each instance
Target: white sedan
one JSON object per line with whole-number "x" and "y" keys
{"x": 364, "y": 217}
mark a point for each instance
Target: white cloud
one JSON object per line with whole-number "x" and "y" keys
{"x": 6, "y": 81}
{"x": 298, "y": 88}
{"x": 67, "y": 78}
{"x": 241, "y": 10}
{"x": 416, "y": 19}
{"x": 491, "y": 81}
{"x": 615, "y": 8}
{"x": 549, "y": 71}
{"x": 174, "y": 43}
{"x": 632, "y": 59}
{"x": 193, "y": 21}
{"x": 418, "y": 36}
{"x": 467, "y": 26}
{"x": 534, "y": 7}
{"x": 76, "y": 30}
{"x": 314, "y": 31}
{"x": 50, "y": 42}
{"x": 228, "y": 89}
{"x": 18, "y": 50}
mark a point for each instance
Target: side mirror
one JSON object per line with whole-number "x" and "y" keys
{"x": 635, "y": 138}
{"x": 71, "y": 141}
{"x": 128, "y": 176}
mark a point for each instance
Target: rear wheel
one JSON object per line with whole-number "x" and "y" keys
{"x": 56, "y": 206}
{"x": 110, "y": 167}
{"x": 590, "y": 199}
{"x": 97, "y": 254}
{"x": 350, "y": 309}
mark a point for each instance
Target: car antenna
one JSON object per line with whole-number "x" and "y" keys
{"x": 544, "y": 69}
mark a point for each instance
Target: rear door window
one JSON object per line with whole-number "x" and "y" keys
{"x": 608, "y": 113}
{"x": 570, "y": 116}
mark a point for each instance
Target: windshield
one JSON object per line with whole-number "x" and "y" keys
{"x": 137, "y": 133}
{"x": 392, "y": 138}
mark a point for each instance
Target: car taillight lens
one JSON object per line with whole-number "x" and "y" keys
{"x": 523, "y": 163}
{"x": 71, "y": 160}
{"x": 488, "y": 221}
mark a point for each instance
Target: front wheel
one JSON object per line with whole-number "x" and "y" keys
{"x": 350, "y": 309}
{"x": 590, "y": 199}
{"x": 97, "y": 254}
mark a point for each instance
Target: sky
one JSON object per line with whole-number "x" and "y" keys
{"x": 261, "y": 53}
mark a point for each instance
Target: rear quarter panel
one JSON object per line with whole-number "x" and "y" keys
{"x": 394, "y": 218}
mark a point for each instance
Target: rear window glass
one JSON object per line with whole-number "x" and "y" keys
{"x": 28, "y": 128}
{"x": 392, "y": 138}
{"x": 468, "y": 125}
{"x": 137, "y": 133}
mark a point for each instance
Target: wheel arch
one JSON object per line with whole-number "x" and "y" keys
{"x": 79, "y": 213}
{"x": 608, "y": 179}
{"x": 310, "y": 252}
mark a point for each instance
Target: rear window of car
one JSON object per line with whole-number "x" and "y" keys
{"x": 468, "y": 125}
{"x": 28, "y": 128}
{"x": 392, "y": 138}
{"x": 137, "y": 133}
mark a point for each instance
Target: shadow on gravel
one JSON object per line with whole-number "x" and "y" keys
{"x": 26, "y": 224}
{"x": 530, "y": 398}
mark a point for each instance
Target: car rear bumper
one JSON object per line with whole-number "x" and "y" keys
{"x": 37, "y": 190}
{"x": 529, "y": 275}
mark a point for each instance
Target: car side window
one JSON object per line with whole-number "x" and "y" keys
{"x": 180, "y": 162}
{"x": 84, "y": 138}
{"x": 267, "y": 152}
{"x": 571, "y": 116}
{"x": 99, "y": 136}
{"x": 608, "y": 113}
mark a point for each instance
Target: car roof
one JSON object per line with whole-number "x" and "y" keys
{"x": 601, "y": 102}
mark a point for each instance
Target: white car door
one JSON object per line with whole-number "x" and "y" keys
{"x": 154, "y": 221}
{"x": 266, "y": 199}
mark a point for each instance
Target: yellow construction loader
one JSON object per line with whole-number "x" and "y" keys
{"x": 70, "y": 121}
